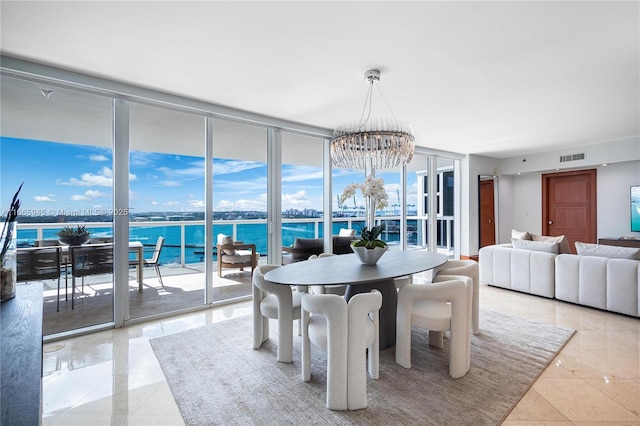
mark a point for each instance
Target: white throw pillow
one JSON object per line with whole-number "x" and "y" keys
{"x": 545, "y": 246}
{"x": 226, "y": 240}
{"x": 344, "y": 232}
{"x": 520, "y": 235}
{"x": 612, "y": 252}
{"x": 563, "y": 244}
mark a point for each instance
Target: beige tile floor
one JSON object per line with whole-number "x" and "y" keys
{"x": 113, "y": 378}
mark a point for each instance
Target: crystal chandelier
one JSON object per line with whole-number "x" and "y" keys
{"x": 372, "y": 143}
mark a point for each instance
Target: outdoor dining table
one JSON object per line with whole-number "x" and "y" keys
{"x": 134, "y": 246}
{"x": 346, "y": 269}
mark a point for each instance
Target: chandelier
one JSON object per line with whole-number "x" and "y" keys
{"x": 372, "y": 143}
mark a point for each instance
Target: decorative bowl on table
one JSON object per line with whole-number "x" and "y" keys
{"x": 74, "y": 240}
{"x": 369, "y": 256}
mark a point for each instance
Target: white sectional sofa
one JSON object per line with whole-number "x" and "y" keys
{"x": 603, "y": 277}
{"x": 522, "y": 270}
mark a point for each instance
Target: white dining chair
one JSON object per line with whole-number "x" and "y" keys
{"x": 468, "y": 268}
{"x": 346, "y": 331}
{"x": 274, "y": 301}
{"x": 338, "y": 289}
{"x": 437, "y": 307}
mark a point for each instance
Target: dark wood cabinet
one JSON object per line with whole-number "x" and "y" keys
{"x": 21, "y": 357}
{"x": 621, "y": 242}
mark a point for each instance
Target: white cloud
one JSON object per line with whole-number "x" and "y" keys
{"x": 98, "y": 157}
{"x": 79, "y": 197}
{"x": 301, "y": 173}
{"x": 170, "y": 183}
{"x": 104, "y": 177}
{"x": 198, "y": 204}
{"x": 224, "y": 167}
{"x": 298, "y": 200}
{"x": 45, "y": 198}
{"x": 171, "y": 203}
{"x": 259, "y": 203}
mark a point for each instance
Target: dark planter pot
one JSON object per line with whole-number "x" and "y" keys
{"x": 75, "y": 240}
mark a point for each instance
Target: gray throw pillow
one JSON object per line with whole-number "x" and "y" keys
{"x": 612, "y": 252}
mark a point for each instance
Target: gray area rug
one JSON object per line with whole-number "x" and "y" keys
{"x": 217, "y": 378}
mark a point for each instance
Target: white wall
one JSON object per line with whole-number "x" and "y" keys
{"x": 614, "y": 208}
{"x": 520, "y": 195}
{"x": 613, "y": 201}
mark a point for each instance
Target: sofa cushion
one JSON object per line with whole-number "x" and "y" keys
{"x": 520, "y": 235}
{"x": 544, "y": 246}
{"x": 612, "y": 252}
{"x": 563, "y": 244}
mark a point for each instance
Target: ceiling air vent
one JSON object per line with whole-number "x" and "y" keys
{"x": 572, "y": 157}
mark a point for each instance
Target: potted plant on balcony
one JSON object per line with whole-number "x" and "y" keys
{"x": 368, "y": 247}
{"x": 74, "y": 236}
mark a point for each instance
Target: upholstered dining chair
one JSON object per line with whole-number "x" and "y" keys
{"x": 274, "y": 301}
{"x": 437, "y": 307}
{"x": 467, "y": 268}
{"x": 347, "y": 332}
{"x": 338, "y": 289}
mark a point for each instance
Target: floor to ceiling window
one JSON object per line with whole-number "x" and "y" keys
{"x": 302, "y": 195}
{"x": 166, "y": 205}
{"x": 420, "y": 223}
{"x": 58, "y": 142}
{"x": 239, "y": 199}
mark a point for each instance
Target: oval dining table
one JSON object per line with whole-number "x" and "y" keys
{"x": 347, "y": 269}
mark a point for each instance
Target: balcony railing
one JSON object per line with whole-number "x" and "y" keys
{"x": 184, "y": 240}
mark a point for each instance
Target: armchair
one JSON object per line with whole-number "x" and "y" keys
{"x": 235, "y": 254}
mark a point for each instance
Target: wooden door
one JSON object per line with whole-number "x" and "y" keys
{"x": 487, "y": 214}
{"x": 569, "y": 206}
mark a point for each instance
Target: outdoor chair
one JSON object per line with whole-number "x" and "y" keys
{"x": 154, "y": 260}
{"x": 92, "y": 259}
{"x": 235, "y": 254}
{"x": 40, "y": 263}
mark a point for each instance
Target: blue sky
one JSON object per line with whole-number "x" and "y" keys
{"x": 77, "y": 178}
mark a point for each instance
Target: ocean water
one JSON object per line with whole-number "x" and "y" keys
{"x": 250, "y": 233}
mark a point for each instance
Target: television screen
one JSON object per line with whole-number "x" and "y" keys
{"x": 635, "y": 208}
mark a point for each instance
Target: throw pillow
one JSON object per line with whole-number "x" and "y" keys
{"x": 518, "y": 235}
{"x": 545, "y": 246}
{"x": 345, "y": 232}
{"x": 226, "y": 240}
{"x": 612, "y": 252}
{"x": 563, "y": 244}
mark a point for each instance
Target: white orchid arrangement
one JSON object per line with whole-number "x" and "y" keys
{"x": 376, "y": 199}
{"x": 372, "y": 189}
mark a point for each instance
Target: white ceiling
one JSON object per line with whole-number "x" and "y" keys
{"x": 491, "y": 78}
